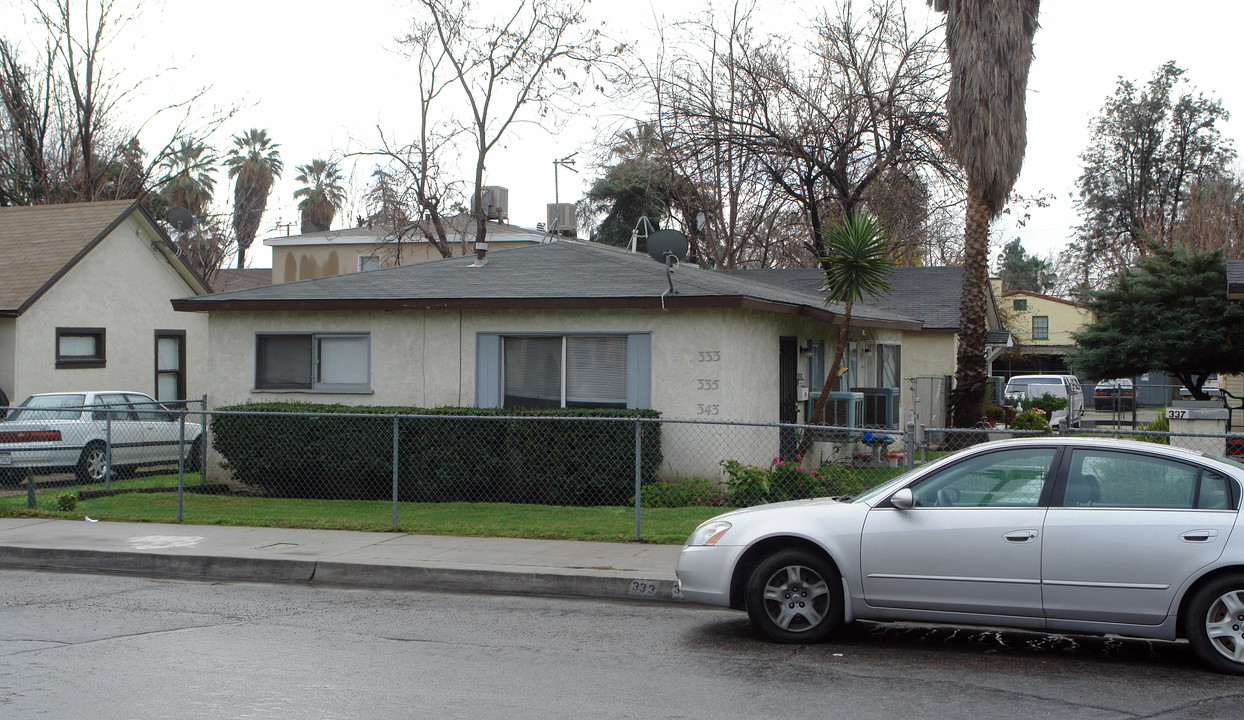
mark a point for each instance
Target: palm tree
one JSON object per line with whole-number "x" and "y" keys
{"x": 322, "y": 197}
{"x": 256, "y": 163}
{"x": 989, "y": 44}
{"x": 856, "y": 265}
{"x": 188, "y": 183}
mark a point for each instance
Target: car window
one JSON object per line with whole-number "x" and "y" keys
{"x": 1008, "y": 478}
{"x": 1102, "y": 478}
{"x": 50, "y": 407}
{"x": 146, "y": 409}
{"x": 117, "y": 408}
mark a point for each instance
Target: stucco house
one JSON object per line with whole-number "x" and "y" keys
{"x": 349, "y": 250}
{"x": 612, "y": 327}
{"x": 1043, "y": 327}
{"x": 572, "y": 323}
{"x": 84, "y": 303}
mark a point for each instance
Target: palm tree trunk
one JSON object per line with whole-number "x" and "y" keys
{"x": 968, "y": 398}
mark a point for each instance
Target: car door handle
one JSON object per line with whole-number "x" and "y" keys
{"x": 1020, "y": 536}
{"x": 1199, "y": 535}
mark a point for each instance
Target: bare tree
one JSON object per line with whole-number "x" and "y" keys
{"x": 819, "y": 125}
{"x": 66, "y": 134}
{"x": 528, "y": 57}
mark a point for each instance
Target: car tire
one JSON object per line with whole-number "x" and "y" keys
{"x": 194, "y": 458}
{"x": 795, "y": 596}
{"x": 1214, "y": 623}
{"x": 92, "y": 463}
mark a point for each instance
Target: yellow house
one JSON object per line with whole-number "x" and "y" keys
{"x": 1042, "y": 327}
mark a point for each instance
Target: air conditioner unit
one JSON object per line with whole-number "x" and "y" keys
{"x": 880, "y": 407}
{"x": 844, "y": 409}
{"x": 564, "y": 214}
{"x": 496, "y": 202}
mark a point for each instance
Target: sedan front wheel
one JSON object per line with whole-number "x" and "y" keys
{"x": 1215, "y": 624}
{"x": 795, "y": 596}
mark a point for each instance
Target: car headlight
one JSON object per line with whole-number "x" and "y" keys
{"x": 708, "y": 533}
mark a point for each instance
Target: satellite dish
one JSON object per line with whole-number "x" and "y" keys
{"x": 663, "y": 243}
{"x": 180, "y": 218}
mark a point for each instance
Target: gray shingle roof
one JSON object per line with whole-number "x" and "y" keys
{"x": 564, "y": 274}
{"x": 928, "y": 294}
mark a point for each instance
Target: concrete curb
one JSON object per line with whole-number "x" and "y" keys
{"x": 566, "y": 583}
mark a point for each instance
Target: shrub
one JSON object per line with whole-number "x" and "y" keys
{"x": 1047, "y": 403}
{"x": 681, "y": 492}
{"x": 995, "y": 413}
{"x": 66, "y": 502}
{"x": 1031, "y": 419}
{"x": 344, "y": 452}
{"x": 783, "y": 480}
{"x": 1161, "y": 424}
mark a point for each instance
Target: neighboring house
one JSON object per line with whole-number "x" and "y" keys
{"x": 1043, "y": 327}
{"x": 719, "y": 346}
{"x": 350, "y": 250}
{"x": 84, "y": 303}
{"x": 240, "y": 279}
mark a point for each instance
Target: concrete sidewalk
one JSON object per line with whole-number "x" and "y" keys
{"x": 332, "y": 557}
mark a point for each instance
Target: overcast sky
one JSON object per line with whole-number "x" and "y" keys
{"x": 320, "y": 76}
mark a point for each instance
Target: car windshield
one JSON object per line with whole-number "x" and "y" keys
{"x": 49, "y": 407}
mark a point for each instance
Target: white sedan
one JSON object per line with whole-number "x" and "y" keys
{"x": 74, "y": 431}
{"x": 1051, "y": 534}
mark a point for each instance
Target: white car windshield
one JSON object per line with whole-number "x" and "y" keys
{"x": 49, "y": 407}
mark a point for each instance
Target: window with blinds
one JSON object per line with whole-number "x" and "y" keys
{"x": 324, "y": 362}
{"x": 564, "y": 371}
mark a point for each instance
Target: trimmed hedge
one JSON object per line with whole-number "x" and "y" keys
{"x": 345, "y": 452}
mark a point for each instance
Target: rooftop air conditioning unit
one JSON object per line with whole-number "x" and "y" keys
{"x": 496, "y": 202}
{"x": 564, "y": 215}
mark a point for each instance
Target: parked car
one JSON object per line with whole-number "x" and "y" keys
{"x": 1029, "y": 387}
{"x": 1119, "y": 394}
{"x": 1211, "y": 388}
{"x": 1054, "y": 534}
{"x": 71, "y": 431}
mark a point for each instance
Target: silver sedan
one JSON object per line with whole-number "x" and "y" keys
{"x": 1055, "y": 534}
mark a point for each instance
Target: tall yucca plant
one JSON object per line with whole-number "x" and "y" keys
{"x": 256, "y": 163}
{"x": 857, "y": 264}
{"x": 322, "y": 195}
{"x": 989, "y": 44}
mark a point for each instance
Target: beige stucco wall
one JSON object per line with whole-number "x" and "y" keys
{"x": 304, "y": 262}
{"x": 427, "y": 359}
{"x": 123, "y": 286}
{"x": 1065, "y": 318}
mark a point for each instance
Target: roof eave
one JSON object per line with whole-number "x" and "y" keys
{"x": 668, "y": 302}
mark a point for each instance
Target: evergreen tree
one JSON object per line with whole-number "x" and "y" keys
{"x": 1169, "y": 313}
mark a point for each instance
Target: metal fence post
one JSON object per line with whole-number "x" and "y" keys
{"x": 30, "y": 488}
{"x": 181, "y": 461}
{"x": 107, "y": 449}
{"x": 395, "y": 422}
{"x": 638, "y": 481}
{"x": 203, "y": 449}
{"x": 909, "y": 446}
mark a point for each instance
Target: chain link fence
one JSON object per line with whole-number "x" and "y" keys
{"x": 380, "y": 470}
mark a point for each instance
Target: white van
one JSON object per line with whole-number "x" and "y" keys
{"x": 1021, "y": 388}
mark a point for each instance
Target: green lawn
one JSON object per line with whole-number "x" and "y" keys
{"x": 613, "y": 524}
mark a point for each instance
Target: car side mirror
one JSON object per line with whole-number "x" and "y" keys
{"x": 903, "y": 499}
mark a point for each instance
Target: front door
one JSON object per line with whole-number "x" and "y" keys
{"x": 970, "y": 544}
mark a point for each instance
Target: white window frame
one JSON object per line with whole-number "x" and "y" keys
{"x": 315, "y": 386}
{"x": 365, "y": 258}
